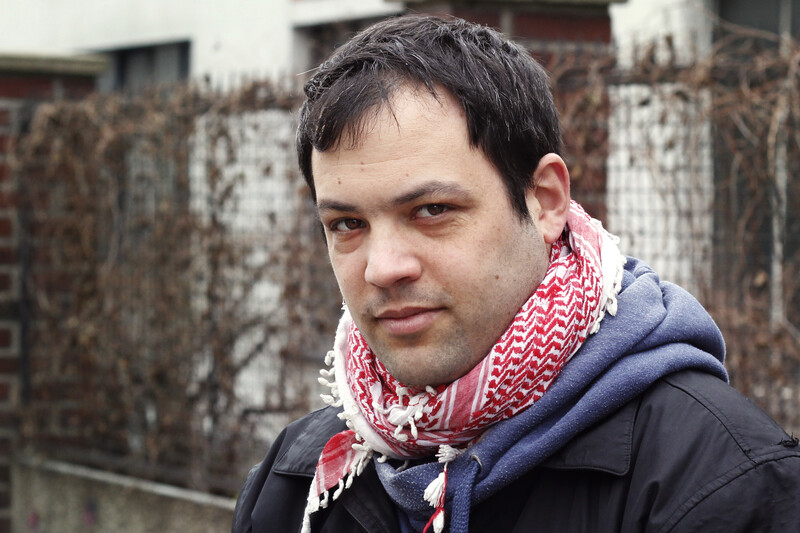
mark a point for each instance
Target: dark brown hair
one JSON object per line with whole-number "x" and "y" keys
{"x": 504, "y": 92}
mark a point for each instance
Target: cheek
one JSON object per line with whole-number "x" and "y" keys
{"x": 487, "y": 250}
{"x": 514, "y": 261}
{"x": 348, "y": 273}
{"x": 471, "y": 268}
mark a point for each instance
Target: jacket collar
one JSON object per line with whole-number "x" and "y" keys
{"x": 605, "y": 447}
{"x": 366, "y": 501}
{"x": 301, "y": 458}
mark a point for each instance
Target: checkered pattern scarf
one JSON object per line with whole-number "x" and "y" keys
{"x": 383, "y": 416}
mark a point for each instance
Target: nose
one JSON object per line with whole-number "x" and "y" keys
{"x": 391, "y": 260}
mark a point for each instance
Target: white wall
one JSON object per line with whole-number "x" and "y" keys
{"x": 241, "y": 37}
{"x": 637, "y": 22}
{"x": 245, "y": 36}
{"x": 309, "y": 12}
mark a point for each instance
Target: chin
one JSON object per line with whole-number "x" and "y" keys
{"x": 420, "y": 381}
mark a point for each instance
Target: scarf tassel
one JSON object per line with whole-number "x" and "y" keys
{"x": 437, "y": 521}
{"x": 435, "y": 496}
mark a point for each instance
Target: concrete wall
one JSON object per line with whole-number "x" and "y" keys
{"x": 637, "y": 23}
{"x": 50, "y": 496}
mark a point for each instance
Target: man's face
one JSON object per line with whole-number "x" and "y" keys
{"x": 430, "y": 258}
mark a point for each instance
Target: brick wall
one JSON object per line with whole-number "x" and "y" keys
{"x": 9, "y": 306}
{"x": 24, "y": 82}
{"x": 549, "y": 22}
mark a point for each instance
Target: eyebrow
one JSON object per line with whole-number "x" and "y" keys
{"x": 427, "y": 189}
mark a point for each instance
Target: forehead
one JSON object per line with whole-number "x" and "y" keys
{"x": 415, "y": 136}
{"x": 408, "y": 112}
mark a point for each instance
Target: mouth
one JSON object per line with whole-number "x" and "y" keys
{"x": 407, "y": 321}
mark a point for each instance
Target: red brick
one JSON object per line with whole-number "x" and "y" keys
{"x": 9, "y": 365}
{"x": 40, "y": 201}
{"x": 555, "y": 27}
{"x": 5, "y": 117}
{"x": 5, "y": 337}
{"x": 9, "y": 310}
{"x": 70, "y": 417}
{"x": 7, "y": 200}
{"x": 6, "y": 226}
{"x": 77, "y": 88}
{"x": 5, "y": 172}
{"x": 53, "y": 441}
{"x": 42, "y": 228}
{"x": 479, "y": 16}
{"x": 41, "y": 86}
{"x": 8, "y": 255}
{"x": 26, "y": 87}
{"x": 52, "y": 280}
{"x": 49, "y": 392}
{"x": 5, "y": 143}
{"x": 7, "y": 419}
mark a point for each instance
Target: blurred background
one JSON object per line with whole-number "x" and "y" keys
{"x": 165, "y": 294}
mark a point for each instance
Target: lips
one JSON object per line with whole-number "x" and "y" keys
{"x": 407, "y": 320}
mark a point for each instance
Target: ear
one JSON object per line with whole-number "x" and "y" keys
{"x": 548, "y": 199}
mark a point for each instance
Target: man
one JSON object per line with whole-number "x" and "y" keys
{"x": 499, "y": 366}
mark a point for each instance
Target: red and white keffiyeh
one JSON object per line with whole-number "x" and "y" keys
{"x": 579, "y": 287}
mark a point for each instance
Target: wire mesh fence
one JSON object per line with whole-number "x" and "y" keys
{"x": 178, "y": 297}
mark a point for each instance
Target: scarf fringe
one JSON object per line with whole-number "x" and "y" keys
{"x": 612, "y": 263}
{"x": 361, "y": 458}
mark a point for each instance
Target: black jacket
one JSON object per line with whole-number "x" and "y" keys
{"x": 690, "y": 455}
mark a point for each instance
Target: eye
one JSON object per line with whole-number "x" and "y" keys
{"x": 431, "y": 210}
{"x": 343, "y": 225}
